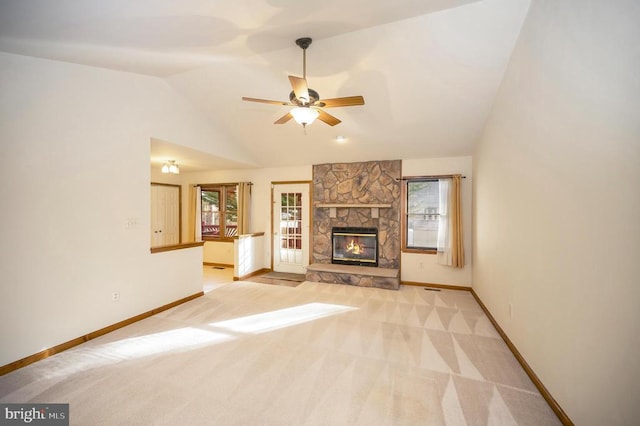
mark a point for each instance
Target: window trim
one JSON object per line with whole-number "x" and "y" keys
{"x": 222, "y": 199}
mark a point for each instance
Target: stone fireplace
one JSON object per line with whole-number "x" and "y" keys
{"x": 354, "y": 246}
{"x": 357, "y": 195}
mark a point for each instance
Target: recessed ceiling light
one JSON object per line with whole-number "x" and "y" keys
{"x": 341, "y": 139}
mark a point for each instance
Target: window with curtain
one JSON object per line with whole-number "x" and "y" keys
{"x": 219, "y": 211}
{"x": 432, "y": 218}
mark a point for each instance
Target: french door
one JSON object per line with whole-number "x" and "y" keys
{"x": 290, "y": 227}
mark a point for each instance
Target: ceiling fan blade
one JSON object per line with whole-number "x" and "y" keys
{"x": 328, "y": 118}
{"x": 300, "y": 88}
{"x": 265, "y": 101}
{"x": 283, "y": 119}
{"x": 341, "y": 102}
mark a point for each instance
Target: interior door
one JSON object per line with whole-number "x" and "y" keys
{"x": 165, "y": 215}
{"x": 291, "y": 227}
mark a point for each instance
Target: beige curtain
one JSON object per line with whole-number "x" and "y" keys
{"x": 457, "y": 244}
{"x": 244, "y": 204}
{"x": 450, "y": 243}
{"x": 191, "y": 217}
{"x": 194, "y": 231}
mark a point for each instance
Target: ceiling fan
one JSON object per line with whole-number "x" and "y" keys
{"x": 306, "y": 102}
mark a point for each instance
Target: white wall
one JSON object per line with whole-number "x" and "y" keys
{"x": 158, "y": 177}
{"x": 75, "y": 147}
{"x": 557, "y": 205}
{"x": 248, "y": 255}
{"x": 423, "y": 268}
{"x": 218, "y": 252}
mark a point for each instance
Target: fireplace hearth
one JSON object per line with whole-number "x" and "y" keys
{"x": 355, "y": 246}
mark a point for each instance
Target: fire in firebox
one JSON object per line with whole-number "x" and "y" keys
{"x": 354, "y": 248}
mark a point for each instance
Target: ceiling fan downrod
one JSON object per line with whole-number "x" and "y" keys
{"x": 304, "y": 43}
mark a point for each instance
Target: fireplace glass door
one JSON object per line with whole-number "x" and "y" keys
{"x": 355, "y": 246}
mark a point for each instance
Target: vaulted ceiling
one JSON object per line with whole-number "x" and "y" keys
{"x": 429, "y": 70}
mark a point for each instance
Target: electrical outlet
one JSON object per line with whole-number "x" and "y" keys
{"x": 115, "y": 296}
{"x": 510, "y": 310}
{"x": 421, "y": 265}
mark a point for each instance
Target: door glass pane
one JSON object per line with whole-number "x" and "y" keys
{"x": 291, "y": 227}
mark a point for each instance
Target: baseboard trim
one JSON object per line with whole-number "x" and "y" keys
{"x": 82, "y": 339}
{"x": 442, "y": 286}
{"x": 557, "y": 409}
{"x": 252, "y": 274}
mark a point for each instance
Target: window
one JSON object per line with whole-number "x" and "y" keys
{"x": 210, "y": 213}
{"x": 231, "y": 211}
{"x": 421, "y": 214}
{"x": 219, "y": 211}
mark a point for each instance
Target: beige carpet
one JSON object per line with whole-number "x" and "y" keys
{"x": 317, "y": 354}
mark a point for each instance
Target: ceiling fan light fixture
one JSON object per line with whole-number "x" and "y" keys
{"x": 306, "y": 102}
{"x": 304, "y": 115}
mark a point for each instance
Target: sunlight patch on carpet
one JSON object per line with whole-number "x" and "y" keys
{"x": 281, "y": 318}
{"x": 91, "y": 356}
{"x": 165, "y": 341}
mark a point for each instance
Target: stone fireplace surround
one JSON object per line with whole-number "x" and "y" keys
{"x": 366, "y": 194}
